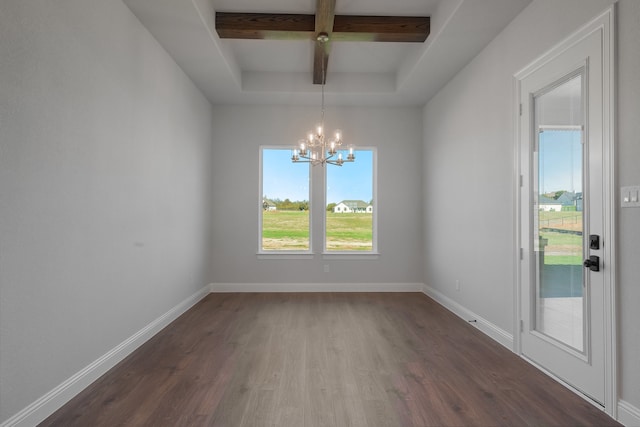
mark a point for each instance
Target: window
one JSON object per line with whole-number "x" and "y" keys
{"x": 344, "y": 208}
{"x": 349, "y": 218}
{"x": 284, "y": 204}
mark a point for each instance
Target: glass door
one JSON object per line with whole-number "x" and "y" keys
{"x": 561, "y": 275}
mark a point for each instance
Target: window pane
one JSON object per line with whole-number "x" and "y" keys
{"x": 349, "y": 218}
{"x": 285, "y": 202}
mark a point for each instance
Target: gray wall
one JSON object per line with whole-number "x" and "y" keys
{"x": 468, "y": 162}
{"x": 628, "y": 144}
{"x": 105, "y": 194}
{"x": 238, "y": 133}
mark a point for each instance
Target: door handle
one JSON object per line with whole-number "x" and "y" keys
{"x": 593, "y": 263}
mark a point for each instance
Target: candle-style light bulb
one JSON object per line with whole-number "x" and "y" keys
{"x": 338, "y": 135}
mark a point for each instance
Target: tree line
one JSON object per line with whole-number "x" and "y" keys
{"x": 288, "y": 205}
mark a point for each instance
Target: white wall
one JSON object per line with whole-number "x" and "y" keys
{"x": 628, "y": 144}
{"x": 238, "y": 133}
{"x": 105, "y": 194}
{"x": 468, "y": 162}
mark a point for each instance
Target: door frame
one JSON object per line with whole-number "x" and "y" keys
{"x": 604, "y": 24}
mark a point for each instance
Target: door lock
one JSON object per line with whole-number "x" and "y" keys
{"x": 593, "y": 263}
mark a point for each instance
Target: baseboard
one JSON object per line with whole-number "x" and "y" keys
{"x": 493, "y": 331}
{"x": 56, "y": 398}
{"x": 628, "y": 414}
{"x": 316, "y": 287}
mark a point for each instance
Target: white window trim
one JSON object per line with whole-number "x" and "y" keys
{"x": 374, "y": 254}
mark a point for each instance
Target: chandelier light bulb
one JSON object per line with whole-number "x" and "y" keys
{"x": 351, "y": 157}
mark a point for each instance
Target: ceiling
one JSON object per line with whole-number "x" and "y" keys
{"x": 232, "y": 71}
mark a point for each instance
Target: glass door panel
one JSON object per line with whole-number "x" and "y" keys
{"x": 558, "y": 213}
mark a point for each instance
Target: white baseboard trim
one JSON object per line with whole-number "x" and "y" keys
{"x": 493, "y": 331}
{"x": 316, "y": 287}
{"x": 42, "y": 408}
{"x": 628, "y": 414}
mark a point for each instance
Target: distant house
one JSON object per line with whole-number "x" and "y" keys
{"x": 568, "y": 199}
{"x": 268, "y": 205}
{"x": 579, "y": 202}
{"x": 549, "y": 205}
{"x": 353, "y": 206}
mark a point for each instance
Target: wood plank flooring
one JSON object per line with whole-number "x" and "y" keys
{"x": 325, "y": 359}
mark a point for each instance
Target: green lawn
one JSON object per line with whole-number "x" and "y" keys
{"x": 349, "y": 231}
{"x": 285, "y": 230}
{"x": 562, "y": 248}
{"x": 289, "y": 230}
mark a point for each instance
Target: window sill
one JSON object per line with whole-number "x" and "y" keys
{"x": 285, "y": 255}
{"x": 351, "y": 255}
{"x": 325, "y": 255}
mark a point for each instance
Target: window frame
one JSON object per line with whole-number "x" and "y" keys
{"x": 353, "y": 254}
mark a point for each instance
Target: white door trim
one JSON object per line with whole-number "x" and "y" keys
{"x": 605, "y": 25}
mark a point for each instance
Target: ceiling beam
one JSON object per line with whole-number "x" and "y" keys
{"x": 267, "y": 26}
{"x": 408, "y": 29}
{"x": 325, "y": 15}
{"x": 283, "y": 26}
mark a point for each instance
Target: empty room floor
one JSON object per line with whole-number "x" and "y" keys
{"x": 324, "y": 359}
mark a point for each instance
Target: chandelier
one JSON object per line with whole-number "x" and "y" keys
{"x": 317, "y": 149}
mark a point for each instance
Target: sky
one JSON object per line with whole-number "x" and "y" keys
{"x": 283, "y": 179}
{"x": 560, "y": 166}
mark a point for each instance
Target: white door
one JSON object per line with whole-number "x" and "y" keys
{"x": 564, "y": 232}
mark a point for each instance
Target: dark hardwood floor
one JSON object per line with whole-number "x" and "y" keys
{"x": 329, "y": 359}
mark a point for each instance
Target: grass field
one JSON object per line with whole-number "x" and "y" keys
{"x": 289, "y": 230}
{"x": 349, "y": 231}
{"x": 561, "y": 220}
{"x": 285, "y": 230}
{"x": 561, "y": 248}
